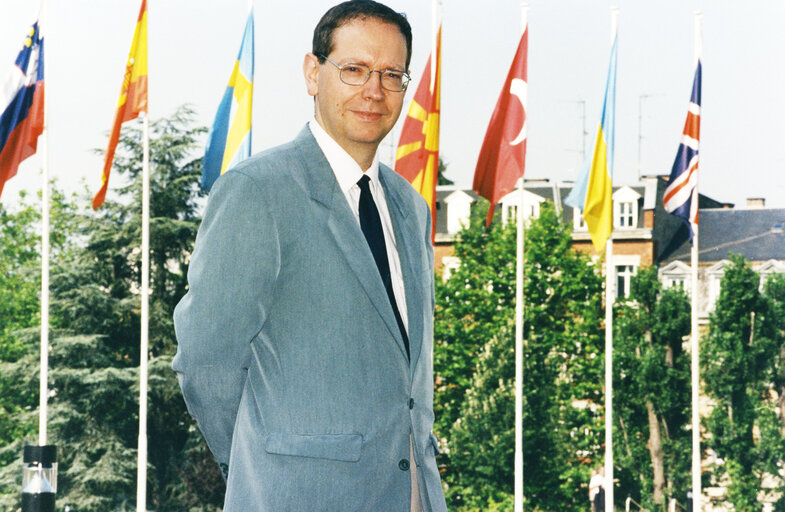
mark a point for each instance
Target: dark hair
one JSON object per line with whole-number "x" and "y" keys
{"x": 357, "y": 9}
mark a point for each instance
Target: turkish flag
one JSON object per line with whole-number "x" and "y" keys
{"x": 503, "y": 153}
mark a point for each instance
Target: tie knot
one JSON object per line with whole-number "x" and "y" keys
{"x": 363, "y": 183}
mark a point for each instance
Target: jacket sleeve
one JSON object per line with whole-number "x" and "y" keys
{"x": 232, "y": 272}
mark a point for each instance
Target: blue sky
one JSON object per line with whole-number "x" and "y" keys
{"x": 193, "y": 45}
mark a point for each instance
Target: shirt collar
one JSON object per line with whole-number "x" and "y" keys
{"x": 346, "y": 170}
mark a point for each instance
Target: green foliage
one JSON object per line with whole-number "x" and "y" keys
{"x": 652, "y": 370}
{"x": 739, "y": 364}
{"x": 95, "y": 351}
{"x": 20, "y": 285}
{"x": 474, "y": 332}
{"x": 482, "y": 441}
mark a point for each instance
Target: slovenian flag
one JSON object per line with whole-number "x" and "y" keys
{"x": 229, "y": 141}
{"x": 592, "y": 193}
{"x": 22, "y": 103}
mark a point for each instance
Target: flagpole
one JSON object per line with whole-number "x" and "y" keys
{"x": 609, "y": 275}
{"x": 435, "y": 22}
{"x": 695, "y": 342}
{"x": 141, "y": 479}
{"x": 519, "y": 319}
{"x": 44, "y": 374}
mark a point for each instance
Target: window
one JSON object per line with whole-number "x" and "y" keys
{"x": 769, "y": 269}
{"x": 459, "y": 206}
{"x": 676, "y": 282}
{"x": 449, "y": 265}
{"x": 578, "y": 222}
{"x": 510, "y": 205}
{"x": 625, "y": 266}
{"x": 625, "y": 208}
{"x": 715, "y": 273}
{"x": 624, "y": 275}
{"x": 625, "y": 217}
{"x": 676, "y": 274}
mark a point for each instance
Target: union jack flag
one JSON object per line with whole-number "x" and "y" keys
{"x": 681, "y": 194}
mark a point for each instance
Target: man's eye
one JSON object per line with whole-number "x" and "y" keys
{"x": 395, "y": 75}
{"x": 351, "y": 68}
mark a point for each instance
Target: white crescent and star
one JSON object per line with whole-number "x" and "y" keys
{"x": 519, "y": 88}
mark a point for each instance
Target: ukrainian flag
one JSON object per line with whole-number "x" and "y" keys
{"x": 229, "y": 141}
{"x": 592, "y": 193}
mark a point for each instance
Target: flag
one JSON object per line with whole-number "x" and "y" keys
{"x": 22, "y": 101}
{"x": 417, "y": 157}
{"x": 681, "y": 194}
{"x": 592, "y": 193}
{"x": 503, "y": 152}
{"x": 229, "y": 141}
{"x": 133, "y": 96}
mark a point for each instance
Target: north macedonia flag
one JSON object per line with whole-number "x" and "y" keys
{"x": 417, "y": 158}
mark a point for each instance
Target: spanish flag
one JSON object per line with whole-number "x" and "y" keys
{"x": 133, "y": 96}
{"x": 417, "y": 158}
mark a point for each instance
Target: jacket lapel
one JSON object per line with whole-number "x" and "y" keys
{"x": 343, "y": 225}
{"x": 408, "y": 235}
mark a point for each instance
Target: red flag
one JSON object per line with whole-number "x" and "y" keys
{"x": 417, "y": 158}
{"x": 503, "y": 153}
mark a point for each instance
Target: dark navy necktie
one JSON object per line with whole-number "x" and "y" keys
{"x": 371, "y": 224}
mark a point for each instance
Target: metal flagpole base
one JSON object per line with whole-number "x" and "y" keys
{"x": 39, "y": 478}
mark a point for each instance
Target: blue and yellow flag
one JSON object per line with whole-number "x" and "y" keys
{"x": 592, "y": 193}
{"x": 229, "y": 141}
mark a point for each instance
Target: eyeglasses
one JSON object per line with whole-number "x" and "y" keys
{"x": 357, "y": 74}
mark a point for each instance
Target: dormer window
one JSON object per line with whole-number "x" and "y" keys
{"x": 676, "y": 274}
{"x": 625, "y": 217}
{"x": 459, "y": 205}
{"x": 510, "y": 205}
{"x": 625, "y": 208}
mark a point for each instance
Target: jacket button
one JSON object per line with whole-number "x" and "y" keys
{"x": 411, "y": 403}
{"x": 403, "y": 465}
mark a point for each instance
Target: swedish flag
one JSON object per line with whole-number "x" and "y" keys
{"x": 229, "y": 141}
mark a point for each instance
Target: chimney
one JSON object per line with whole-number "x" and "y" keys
{"x": 754, "y": 203}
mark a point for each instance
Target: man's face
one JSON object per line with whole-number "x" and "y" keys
{"x": 358, "y": 117}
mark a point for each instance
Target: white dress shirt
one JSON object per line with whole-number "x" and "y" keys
{"x": 348, "y": 173}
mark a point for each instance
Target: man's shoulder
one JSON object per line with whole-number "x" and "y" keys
{"x": 271, "y": 162}
{"x": 279, "y": 162}
{"x": 402, "y": 187}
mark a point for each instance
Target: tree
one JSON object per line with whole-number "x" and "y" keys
{"x": 19, "y": 305}
{"x": 20, "y": 284}
{"x": 475, "y": 364}
{"x": 738, "y": 365}
{"x": 95, "y": 354}
{"x": 652, "y": 391}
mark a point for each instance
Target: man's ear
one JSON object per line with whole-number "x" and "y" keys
{"x": 311, "y": 73}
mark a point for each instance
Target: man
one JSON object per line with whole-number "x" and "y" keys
{"x": 305, "y": 339}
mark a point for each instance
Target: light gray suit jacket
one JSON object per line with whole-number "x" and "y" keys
{"x": 289, "y": 356}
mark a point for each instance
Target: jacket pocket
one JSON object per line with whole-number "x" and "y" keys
{"x": 343, "y": 447}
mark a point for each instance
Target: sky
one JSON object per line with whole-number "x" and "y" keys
{"x": 193, "y": 44}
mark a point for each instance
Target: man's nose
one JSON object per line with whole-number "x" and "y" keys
{"x": 373, "y": 87}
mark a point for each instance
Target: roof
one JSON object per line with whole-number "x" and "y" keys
{"x": 756, "y": 234}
